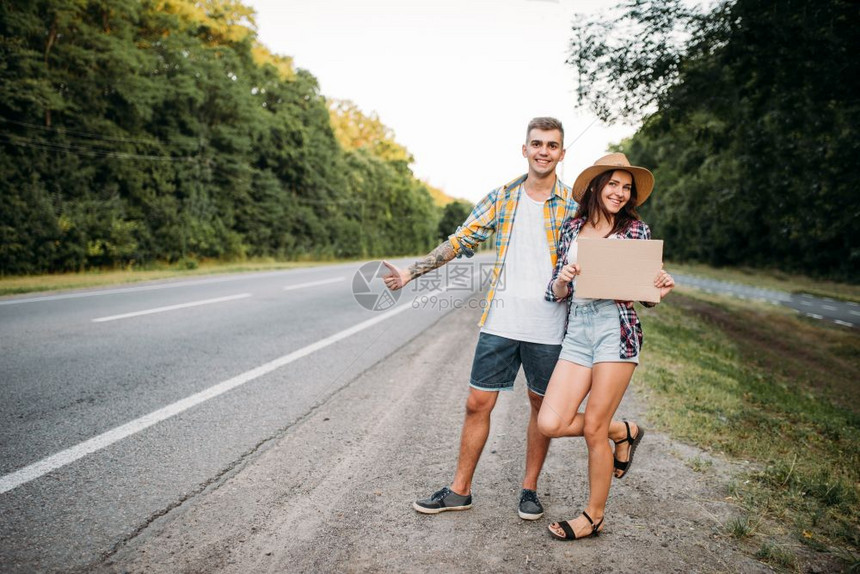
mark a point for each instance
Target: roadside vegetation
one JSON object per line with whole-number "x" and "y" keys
{"x": 758, "y": 383}
{"x": 138, "y": 132}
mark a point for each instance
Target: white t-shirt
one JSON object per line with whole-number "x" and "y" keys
{"x": 519, "y": 310}
{"x": 571, "y": 257}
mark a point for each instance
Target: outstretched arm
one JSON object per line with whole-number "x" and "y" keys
{"x": 435, "y": 259}
{"x": 476, "y": 229}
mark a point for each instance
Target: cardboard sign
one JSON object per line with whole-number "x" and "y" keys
{"x": 622, "y": 269}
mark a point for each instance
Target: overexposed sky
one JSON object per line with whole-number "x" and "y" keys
{"x": 456, "y": 80}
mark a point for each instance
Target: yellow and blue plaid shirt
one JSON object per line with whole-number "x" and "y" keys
{"x": 496, "y": 213}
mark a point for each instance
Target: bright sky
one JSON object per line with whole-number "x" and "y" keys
{"x": 456, "y": 80}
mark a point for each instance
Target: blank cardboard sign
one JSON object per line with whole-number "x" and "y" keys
{"x": 619, "y": 269}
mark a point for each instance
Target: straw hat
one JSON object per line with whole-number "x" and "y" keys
{"x": 644, "y": 179}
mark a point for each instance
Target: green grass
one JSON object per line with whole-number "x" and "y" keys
{"x": 771, "y": 279}
{"x": 699, "y": 464}
{"x": 15, "y": 285}
{"x": 777, "y": 555}
{"x": 740, "y": 527}
{"x": 759, "y": 383}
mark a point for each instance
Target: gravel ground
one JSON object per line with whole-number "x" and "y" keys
{"x": 334, "y": 493}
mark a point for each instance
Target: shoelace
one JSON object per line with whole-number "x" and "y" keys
{"x": 441, "y": 494}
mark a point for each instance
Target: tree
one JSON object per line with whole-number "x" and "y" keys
{"x": 746, "y": 131}
{"x": 356, "y": 130}
{"x": 453, "y": 215}
{"x": 142, "y": 131}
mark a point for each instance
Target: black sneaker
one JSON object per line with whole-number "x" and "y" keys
{"x": 443, "y": 500}
{"x": 530, "y": 506}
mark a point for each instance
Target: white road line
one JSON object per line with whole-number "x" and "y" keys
{"x": 855, "y": 313}
{"x": 843, "y": 323}
{"x": 171, "y": 308}
{"x": 814, "y": 316}
{"x": 70, "y": 455}
{"x": 170, "y": 285}
{"x": 806, "y": 303}
{"x": 120, "y": 290}
{"x": 312, "y": 283}
{"x": 828, "y": 307}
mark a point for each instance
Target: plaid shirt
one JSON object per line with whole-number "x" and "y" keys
{"x": 496, "y": 213}
{"x": 631, "y": 328}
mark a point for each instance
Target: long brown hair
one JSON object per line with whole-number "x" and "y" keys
{"x": 591, "y": 208}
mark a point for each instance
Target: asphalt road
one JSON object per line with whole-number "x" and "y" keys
{"x": 116, "y": 405}
{"x": 842, "y": 313}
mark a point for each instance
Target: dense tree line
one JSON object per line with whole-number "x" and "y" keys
{"x": 162, "y": 130}
{"x": 750, "y": 116}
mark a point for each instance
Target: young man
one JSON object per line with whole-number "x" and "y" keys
{"x": 518, "y": 327}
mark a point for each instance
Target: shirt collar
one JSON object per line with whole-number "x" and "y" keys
{"x": 560, "y": 189}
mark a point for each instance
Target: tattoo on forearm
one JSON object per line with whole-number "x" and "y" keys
{"x": 435, "y": 259}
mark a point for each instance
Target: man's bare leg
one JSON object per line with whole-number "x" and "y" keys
{"x": 537, "y": 445}
{"x": 476, "y": 429}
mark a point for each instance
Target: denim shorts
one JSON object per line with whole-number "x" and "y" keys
{"x": 497, "y": 362}
{"x": 594, "y": 334}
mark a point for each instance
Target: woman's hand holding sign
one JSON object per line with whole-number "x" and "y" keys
{"x": 664, "y": 282}
{"x": 560, "y": 286}
{"x": 568, "y": 272}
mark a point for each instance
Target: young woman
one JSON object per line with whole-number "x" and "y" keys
{"x": 603, "y": 338}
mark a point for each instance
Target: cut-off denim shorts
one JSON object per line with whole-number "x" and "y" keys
{"x": 497, "y": 362}
{"x": 594, "y": 334}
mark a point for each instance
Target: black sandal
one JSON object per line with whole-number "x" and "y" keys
{"x": 624, "y": 467}
{"x": 568, "y": 531}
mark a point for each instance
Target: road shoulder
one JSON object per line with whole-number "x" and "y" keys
{"x": 335, "y": 492}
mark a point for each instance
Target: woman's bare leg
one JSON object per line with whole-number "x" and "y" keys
{"x": 608, "y": 381}
{"x": 565, "y": 392}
